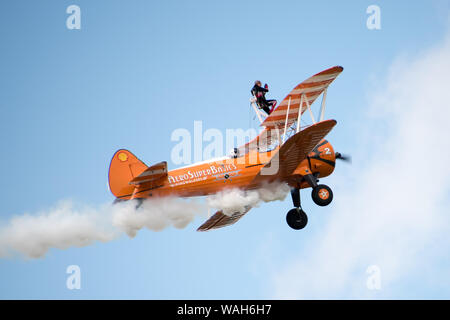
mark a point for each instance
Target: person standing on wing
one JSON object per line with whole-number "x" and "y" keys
{"x": 260, "y": 94}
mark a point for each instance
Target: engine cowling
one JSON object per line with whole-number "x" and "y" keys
{"x": 320, "y": 162}
{"x": 322, "y": 159}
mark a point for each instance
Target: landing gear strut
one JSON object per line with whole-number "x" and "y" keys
{"x": 296, "y": 218}
{"x": 321, "y": 194}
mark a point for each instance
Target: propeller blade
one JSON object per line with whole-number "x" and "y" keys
{"x": 343, "y": 157}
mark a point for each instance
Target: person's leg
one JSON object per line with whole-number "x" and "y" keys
{"x": 262, "y": 104}
{"x": 266, "y": 109}
{"x": 272, "y": 104}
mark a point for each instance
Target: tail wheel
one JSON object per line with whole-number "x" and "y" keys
{"x": 296, "y": 218}
{"x": 322, "y": 195}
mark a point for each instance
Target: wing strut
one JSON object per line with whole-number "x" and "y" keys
{"x": 285, "y": 123}
{"x": 299, "y": 115}
{"x": 322, "y": 107}
{"x": 309, "y": 109}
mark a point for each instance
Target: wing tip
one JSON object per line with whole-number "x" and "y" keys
{"x": 334, "y": 69}
{"x": 333, "y": 121}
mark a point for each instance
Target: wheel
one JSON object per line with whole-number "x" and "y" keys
{"x": 296, "y": 218}
{"x": 322, "y": 195}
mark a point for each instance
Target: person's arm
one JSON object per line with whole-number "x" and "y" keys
{"x": 261, "y": 89}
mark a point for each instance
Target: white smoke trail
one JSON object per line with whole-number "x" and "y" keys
{"x": 60, "y": 227}
{"x": 236, "y": 200}
{"x": 65, "y": 226}
{"x": 156, "y": 215}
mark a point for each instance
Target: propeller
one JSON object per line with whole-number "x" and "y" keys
{"x": 343, "y": 157}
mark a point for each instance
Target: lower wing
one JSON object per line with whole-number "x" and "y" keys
{"x": 220, "y": 220}
{"x": 294, "y": 151}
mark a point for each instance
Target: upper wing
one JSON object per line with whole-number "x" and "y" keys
{"x": 311, "y": 88}
{"x": 220, "y": 220}
{"x": 295, "y": 150}
{"x": 152, "y": 173}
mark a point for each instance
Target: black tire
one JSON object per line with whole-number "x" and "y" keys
{"x": 297, "y": 219}
{"x": 322, "y": 195}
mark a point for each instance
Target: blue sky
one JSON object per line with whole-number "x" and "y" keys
{"x": 135, "y": 72}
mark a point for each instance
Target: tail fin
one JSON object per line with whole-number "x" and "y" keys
{"x": 123, "y": 168}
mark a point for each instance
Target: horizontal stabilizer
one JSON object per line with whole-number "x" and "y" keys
{"x": 153, "y": 173}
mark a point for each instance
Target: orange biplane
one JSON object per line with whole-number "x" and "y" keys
{"x": 284, "y": 152}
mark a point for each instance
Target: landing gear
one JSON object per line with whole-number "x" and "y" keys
{"x": 322, "y": 195}
{"x": 296, "y": 218}
{"x": 295, "y": 194}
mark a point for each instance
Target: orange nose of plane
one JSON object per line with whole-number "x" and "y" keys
{"x": 322, "y": 159}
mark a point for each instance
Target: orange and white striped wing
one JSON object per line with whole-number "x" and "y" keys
{"x": 311, "y": 88}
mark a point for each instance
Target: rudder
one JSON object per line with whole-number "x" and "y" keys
{"x": 124, "y": 167}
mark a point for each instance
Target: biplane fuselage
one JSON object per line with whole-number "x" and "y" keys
{"x": 213, "y": 176}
